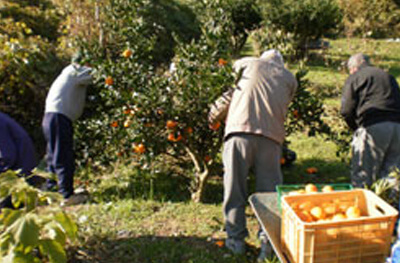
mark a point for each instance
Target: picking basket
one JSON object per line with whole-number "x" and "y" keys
{"x": 364, "y": 240}
{"x": 284, "y": 189}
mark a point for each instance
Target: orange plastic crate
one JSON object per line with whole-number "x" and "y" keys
{"x": 363, "y": 240}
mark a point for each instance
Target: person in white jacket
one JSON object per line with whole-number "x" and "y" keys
{"x": 64, "y": 105}
{"x": 254, "y": 112}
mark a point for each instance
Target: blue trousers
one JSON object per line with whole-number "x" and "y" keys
{"x": 58, "y": 131}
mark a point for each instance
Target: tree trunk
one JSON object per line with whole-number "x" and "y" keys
{"x": 198, "y": 192}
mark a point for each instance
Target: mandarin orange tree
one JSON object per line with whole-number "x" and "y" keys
{"x": 146, "y": 112}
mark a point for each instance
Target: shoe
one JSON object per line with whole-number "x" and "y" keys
{"x": 265, "y": 250}
{"x": 237, "y": 246}
{"x": 75, "y": 199}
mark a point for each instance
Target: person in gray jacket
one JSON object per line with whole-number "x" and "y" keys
{"x": 64, "y": 105}
{"x": 255, "y": 112}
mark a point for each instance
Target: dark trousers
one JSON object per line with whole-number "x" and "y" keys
{"x": 58, "y": 131}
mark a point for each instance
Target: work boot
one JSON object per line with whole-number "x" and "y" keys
{"x": 237, "y": 246}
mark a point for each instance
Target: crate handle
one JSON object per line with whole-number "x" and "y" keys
{"x": 380, "y": 209}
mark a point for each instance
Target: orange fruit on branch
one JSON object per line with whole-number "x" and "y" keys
{"x": 109, "y": 81}
{"x": 222, "y": 62}
{"x": 127, "y": 53}
{"x": 215, "y": 126}
{"x": 189, "y": 130}
{"x": 312, "y": 170}
{"x": 171, "y": 124}
{"x": 140, "y": 148}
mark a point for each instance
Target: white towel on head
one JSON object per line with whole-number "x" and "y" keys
{"x": 273, "y": 54}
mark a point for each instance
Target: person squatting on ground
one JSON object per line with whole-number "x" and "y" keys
{"x": 17, "y": 152}
{"x": 255, "y": 112}
{"x": 64, "y": 105}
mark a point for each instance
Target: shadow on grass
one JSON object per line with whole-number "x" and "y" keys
{"x": 143, "y": 249}
{"x": 168, "y": 187}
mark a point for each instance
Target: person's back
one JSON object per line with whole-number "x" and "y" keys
{"x": 377, "y": 96}
{"x": 68, "y": 92}
{"x": 17, "y": 151}
{"x": 259, "y": 103}
{"x": 255, "y": 113}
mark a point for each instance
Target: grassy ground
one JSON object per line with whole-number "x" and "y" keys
{"x": 134, "y": 219}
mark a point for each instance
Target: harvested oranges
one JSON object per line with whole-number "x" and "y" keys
{"x": 317, "y": 213}
{"x": 353, "y": 212}
{"x": 327, "y": 189}
{"x": 311, "y": 188}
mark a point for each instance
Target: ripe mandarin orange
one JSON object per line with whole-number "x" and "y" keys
{"x": 327, "y": 189}
{"x": 311, "y": 188}
{"x": 215, "y": 126}
{"x": 353, "y": 212}
{"x": 140, "y": 148}
{"x": 338, "y": 217}
{"x": 171, "y": 124}
{"x": 109, "y": 81}
{"x": 317, "y": 213}
{"x": 305, "y": 216}
{"x": 127, "y": 53}
{"x": 222, "y": 62}
{"x": 312, "y": 170}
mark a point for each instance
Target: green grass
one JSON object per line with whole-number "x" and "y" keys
{"x": 135, "y": 217}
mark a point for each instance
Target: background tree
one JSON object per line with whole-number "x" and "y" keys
{"x": 29, "y": 61}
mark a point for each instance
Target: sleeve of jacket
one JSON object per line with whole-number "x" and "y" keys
{"x": 84, "y": 76}
{"x": 348, "y": 104}
{"x": 8, "y": 150}
{"x": 219, "y": 109}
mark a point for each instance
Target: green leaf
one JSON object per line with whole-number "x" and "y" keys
{"x": 5, "y": 242}
{"x": 56, "y": 233}
{"x": 9, "y": 216}
{"x": 53, "y": 250}
{"x": 25, "y": 230}
{"x": 67, "y": 224}
{"x": 18, "y": 257}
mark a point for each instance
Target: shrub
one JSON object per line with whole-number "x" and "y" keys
{"x": 150, "y": 116}
{"x": 370, "y": 18}
{"x": 307, "y": 20}
{"x": 34, "y": 232}
{"x": 29, "y": 62}
{"x": 236, "y": 17}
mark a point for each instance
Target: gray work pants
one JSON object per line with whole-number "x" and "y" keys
{"x": 242, "y": 152}
{"x": 375, "y": 150}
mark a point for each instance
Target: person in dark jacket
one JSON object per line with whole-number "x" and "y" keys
{"x": 371, "y": 108}
{"x": 16, "y": 147}
{"x": 17, "y": 151}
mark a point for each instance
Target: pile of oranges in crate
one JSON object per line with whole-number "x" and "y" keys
{"x": 333, "y": 210}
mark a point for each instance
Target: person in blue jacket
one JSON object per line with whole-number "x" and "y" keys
{"x": 17, "y": 151}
